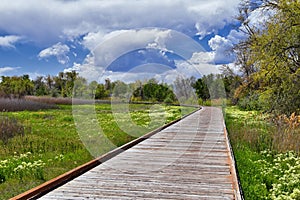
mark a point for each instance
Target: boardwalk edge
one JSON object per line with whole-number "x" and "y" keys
{"x": 233, "y": 168}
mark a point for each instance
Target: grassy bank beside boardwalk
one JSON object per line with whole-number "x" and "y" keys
{"x": 49, "y": 144}
{"x": 266, "y": 149}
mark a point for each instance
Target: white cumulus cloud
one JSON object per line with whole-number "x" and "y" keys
{"x": 221, "y": 47}
{"x": 58, "y": 50}
{"x": 9, "y": 40}
{"x": 6, "y": 69}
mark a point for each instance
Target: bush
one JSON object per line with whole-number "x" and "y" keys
{"x": 168, "y": 100}
{"x": 9, "y": 127}
{"x": 250, "y": 103}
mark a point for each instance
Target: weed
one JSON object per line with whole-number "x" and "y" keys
{"x": 267, "y": 153}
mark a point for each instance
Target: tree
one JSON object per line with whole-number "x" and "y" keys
{"x": 201, "y": 89}
{"x": 49, "y": 82}
{"x": 183, "y": 88}
{"x": 16, "y": 86}
{"x": 70, "y": 78}
{"x": 108, "y": 86}
{"x": 101, "y": 92}
{"x": 92, "y": 88}
{"x": 80, "y": 88}
{"x": 274, "y": 51}
{"x": 120, "y": 89}
{"x": 63, "y": 83}
{"x": 153, "y": 91}
{"x": 40, "y": 87}
{"x": 59, "y": 83}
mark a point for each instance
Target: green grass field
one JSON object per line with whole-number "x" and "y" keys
{"x": 52, "y": 146}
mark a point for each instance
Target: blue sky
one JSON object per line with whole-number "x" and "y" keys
{"x": 46, "y": 37}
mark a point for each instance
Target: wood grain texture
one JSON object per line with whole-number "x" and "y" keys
{"x": 190, "y": 159}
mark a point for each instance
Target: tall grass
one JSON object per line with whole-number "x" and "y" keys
{"x": 262, "y": 131}
{"x": 267, "y": 153}
{"x": 7, "y": 104}
{"x": 287, "y": 133}
{"x": 59, "y": 100}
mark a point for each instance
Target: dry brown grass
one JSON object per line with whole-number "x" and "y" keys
{"x": 9, "y": 128}
{"x": 7, "y": 104}
{"x": 287, "y": 134}
{"x": 64, "y": 100}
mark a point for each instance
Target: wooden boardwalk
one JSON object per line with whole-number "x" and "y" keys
{"x": 190, "y": 159}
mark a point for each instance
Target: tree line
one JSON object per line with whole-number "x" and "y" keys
{"x": 70, "y": 84}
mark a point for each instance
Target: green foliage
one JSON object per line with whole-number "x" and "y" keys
{"x": 201, "y": 89}
{"x": 22, "y": 166}
{"x": 70, "y": 84}
{"x": 250, "y": 102}
{"x": 101, "y": 92}
{"x": 269, "y": 175}
{"x": 216, "y": 86}
{"x": 120, "y": 90}
{"x": 270, "y": 56}
{"x": 40, "y": 88}
{"x": 16, "y": 87}
{"x": 169, "y": 99}
{"x": 154, "y": 92}
{"x": 280, "y": 174}
{"x": 252, "y": 186}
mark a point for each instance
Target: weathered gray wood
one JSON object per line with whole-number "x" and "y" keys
{"x": 188, "y": 160}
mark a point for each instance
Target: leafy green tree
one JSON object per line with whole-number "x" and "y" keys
{"x": 153, "y": 91}
{"x": 231, "y": 82}
{"x": 59, "y": 83}
{"x": 274, "y": 52}
{"x": 201, "y": 89}
{"x": 101, "y": 92}
{"x": 70, "y": 78}
{"x": 40, "y": 87}
{"x": 64, "y": 83}
{"x": 16, "y": 86}
{"x": 92, "y": 88}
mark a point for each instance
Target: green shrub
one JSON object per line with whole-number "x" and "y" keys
{"x": 250, "y": 103}
{"x": 168, "y": 100}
